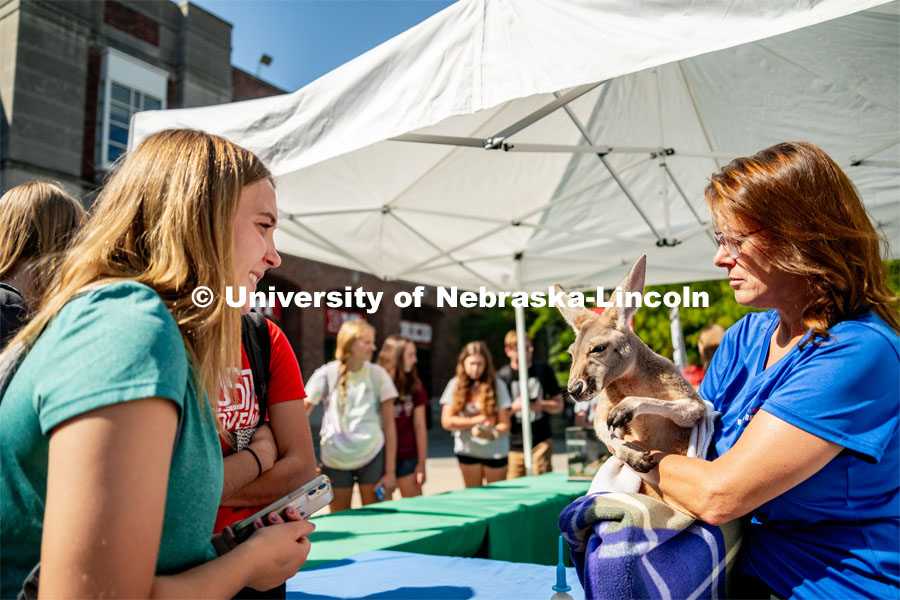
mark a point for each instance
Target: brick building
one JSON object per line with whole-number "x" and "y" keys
{"x": 71, "y": 75}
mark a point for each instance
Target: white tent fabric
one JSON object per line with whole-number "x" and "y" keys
{"x": 661, "y": 93}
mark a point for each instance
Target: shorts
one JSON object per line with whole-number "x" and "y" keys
{"x": 492, "y": 463}
{"x": 406, "y": 466}
{"x": 368, "y": 474}
{"x": 541, "y": 455}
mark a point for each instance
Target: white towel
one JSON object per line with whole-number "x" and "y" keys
{"x": 613, "y": 476}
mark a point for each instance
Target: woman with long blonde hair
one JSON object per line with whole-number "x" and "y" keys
{"x": 37, "y": 221}
{"x": 358, "y": 440}
{"x": 476, "y": 408}
{"x": 398, "y": 357}
{"x": 112, "y": 469}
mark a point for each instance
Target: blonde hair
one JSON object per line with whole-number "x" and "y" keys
{"x": 483, "y": 387}
{"x": 165, "y": 219}
{"x": 37, "y": 221}
{"x": 812, "y": 223}
{"x": 708, "y": 342}
{"x": 349, "y": 332}
{"x": 511, "y": 339}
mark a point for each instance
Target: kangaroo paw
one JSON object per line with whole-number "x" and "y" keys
{"x": 637, "y": 458}
{"x": 620, "y": 415}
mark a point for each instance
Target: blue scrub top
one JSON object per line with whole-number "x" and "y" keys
{"x": 837, "y": 534}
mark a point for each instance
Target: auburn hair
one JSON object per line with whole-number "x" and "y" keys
{"x": 165, "y": 219}
{"x": 813, "y": 223}
{"x": 37, "y": 222}
{"x": 391, "y": 358}
{"x": 483, "y": 388}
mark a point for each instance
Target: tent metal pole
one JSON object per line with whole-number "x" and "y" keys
{"x": 334, "y": 248}
{"x": 663, "y": 180}
{"x": 329, "y": 213}
{"x": 469, "y": 142}
{"x": 703, "y": 128}
{"x": 679, "y": 352}
{"x": 615, "y": 176}
{"x": 561, "y": 100}
{"x": 447, "y": 140}
{"x": 523, "y": 372}
{"x": 855, "y": 160}
{"x": 436, "y": 247}
{"x": 682, "y": 194}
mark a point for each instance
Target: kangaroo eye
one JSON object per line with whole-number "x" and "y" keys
{"x": 598, "y": 349}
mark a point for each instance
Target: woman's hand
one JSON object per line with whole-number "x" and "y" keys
{"x": 225, "y": 542}
{"x": 389, "y": 481}
{"x": 277, "y": 552}
{"x": 485, "y": 430}
{"x": 420, "y": 474}
{"x": 263, "y": 445}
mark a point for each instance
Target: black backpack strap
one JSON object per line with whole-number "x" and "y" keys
{"x": 258, "y": 346}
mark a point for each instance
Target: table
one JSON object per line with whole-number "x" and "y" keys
{"x": 401, "y": 575}
{"x": 512, "y": 520}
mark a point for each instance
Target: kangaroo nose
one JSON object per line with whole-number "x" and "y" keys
{"x": 576, "y": 388}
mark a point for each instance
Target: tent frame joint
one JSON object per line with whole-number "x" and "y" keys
{"x": 667, "y": 243}
{"x": 663, "y": 152}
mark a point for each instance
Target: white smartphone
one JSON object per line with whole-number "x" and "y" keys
{"x": 306, "y": 500}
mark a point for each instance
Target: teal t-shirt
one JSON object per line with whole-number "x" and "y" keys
{"x": 113, "y": 344}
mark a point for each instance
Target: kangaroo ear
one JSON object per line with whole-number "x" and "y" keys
{"x": 633, "y": 282}
{"x": 575, "y": 316}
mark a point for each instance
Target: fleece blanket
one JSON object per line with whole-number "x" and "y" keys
{"x": 628, "y": 546}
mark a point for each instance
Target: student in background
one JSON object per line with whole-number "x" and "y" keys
{"x": 398, "y": 357}
{"x": 707, "y": 343}
{"x": 358, "y": 440}
{"x": 37, "y": 220}
{"x": 545, "y": 399}
{"x": 476, "y": 409}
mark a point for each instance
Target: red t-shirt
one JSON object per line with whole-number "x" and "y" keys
{"x": 403, "y": 416}
{"x": 285, "y": 384}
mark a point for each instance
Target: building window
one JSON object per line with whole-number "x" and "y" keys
{"x": 127, "y": 86}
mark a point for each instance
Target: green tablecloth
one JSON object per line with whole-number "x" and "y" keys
{"x": 511, "y": 520}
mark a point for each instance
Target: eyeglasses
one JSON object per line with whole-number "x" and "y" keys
{"x": 732, "y": 245}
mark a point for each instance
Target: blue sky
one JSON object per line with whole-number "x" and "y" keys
{"x": 308, "y": 38}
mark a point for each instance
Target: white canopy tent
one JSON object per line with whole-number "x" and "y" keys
{"x": 514, "y": 143}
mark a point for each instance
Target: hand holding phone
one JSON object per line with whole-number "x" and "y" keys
{"x": 306, "y": 500}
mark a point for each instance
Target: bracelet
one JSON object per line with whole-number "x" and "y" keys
{"x": 258, "y": 463}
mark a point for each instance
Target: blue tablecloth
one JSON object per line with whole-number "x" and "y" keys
{"x": 384, "y": 574}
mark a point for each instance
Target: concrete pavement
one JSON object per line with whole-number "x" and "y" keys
{"x": 442, "y": 469}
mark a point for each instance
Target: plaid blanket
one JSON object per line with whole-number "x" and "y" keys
{"x": 633, "y": 546}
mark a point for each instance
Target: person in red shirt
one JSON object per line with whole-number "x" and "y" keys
{"x": 398, "y": 357}
{"x": 279, "y": 457}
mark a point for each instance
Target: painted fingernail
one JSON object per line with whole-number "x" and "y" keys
{"x": 313, "y": 525}
{"x": 259, "y": 524}
{"x": 226, "y": 531}
{"x": 291, "y": 511}
{"x": 274, "y": 518}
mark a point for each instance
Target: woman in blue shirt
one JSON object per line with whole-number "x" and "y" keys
{"x": 809, "y": 392}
